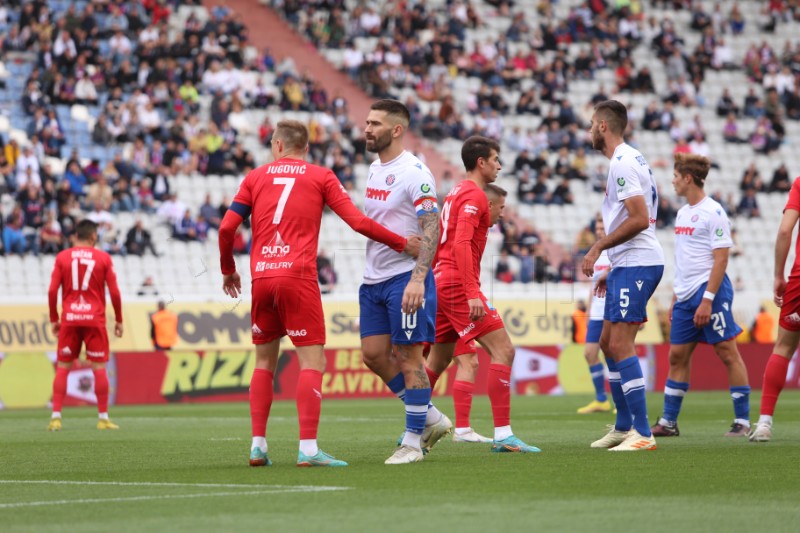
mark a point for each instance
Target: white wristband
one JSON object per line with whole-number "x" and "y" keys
{"x": 708, "y": 295}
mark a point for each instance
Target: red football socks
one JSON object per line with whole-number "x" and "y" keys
{"x": 101, "y": 389}
{"x": 462, "y": 402}
{"x": 500, "y": 393}
{"x": 774, "y": 380}
{"x": 59, "y": 388}
{"x": 309, "y": 402}
{"x": 433, "y": 377}
{"x": 260, "y": 400}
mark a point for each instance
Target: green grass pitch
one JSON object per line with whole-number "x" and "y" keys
{"x": 184, "y": 468}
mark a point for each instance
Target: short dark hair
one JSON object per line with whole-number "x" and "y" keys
{"x": 293, "y": 133}
{"x": 495, "y": 191}
{"x": 393, "y": 108}
{"x": 85, "y": 229}
{"x": 615, "y": 114}
{"x": 695, "y": 165}
{"x": 477, "y": 147}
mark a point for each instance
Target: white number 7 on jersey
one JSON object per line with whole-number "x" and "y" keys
{"x": 287, "y": 183}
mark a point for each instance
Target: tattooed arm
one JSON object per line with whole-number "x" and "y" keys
{"x": 414, "y": 293}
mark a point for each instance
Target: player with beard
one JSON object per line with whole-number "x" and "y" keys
{"x": 398, "y": 296}
{"x": 629, "y": 216}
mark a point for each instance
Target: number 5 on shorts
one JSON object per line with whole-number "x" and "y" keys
{"x": 624, "y": 300}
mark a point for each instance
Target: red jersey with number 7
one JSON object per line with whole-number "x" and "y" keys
{"x": 465, "y": 228}
{"x": 286, "y": 200}
{"x": 82, "y": 274}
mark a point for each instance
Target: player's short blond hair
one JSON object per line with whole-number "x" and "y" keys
{"x": 697, "y": 166}
{"x": 495, "y": 191}
{"x": 293, "y": 133}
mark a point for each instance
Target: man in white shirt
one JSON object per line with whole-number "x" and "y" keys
{"x": 702, "y": 305}
{"x": 629, "y": 217}
{"x": 398, "y": 297}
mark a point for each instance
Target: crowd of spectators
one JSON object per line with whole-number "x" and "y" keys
{"x": 396, "y": 47}
{"x": 143, "y": 86}
{"x": 146, "y": 87}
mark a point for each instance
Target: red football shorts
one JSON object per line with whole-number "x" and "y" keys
{"x": 452, "y": 316}
{"x": 463, "y": 348}
{"x": 790, "y": 310}
{"x": 287, "y": 306}
{"x": 70, "y": 339}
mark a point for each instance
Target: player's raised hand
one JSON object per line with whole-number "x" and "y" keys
{"x": 232, "y": 284}
{"x": 412, "y": 245}
{"x": 703, "y": 314}
{"x": 118, "y": 329}
{"x": 780, "y": 289}
{"x": 589, "y": 260}
{"x": 413, "y": 296}
{"x": 476, "y": 309}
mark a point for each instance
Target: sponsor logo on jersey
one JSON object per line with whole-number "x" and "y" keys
{"x": 695, "y": 218}
{"x": 377, "y": 194}
{"x": 418, "y": 165}
{"x": 80, "y": 306}
{"x": 719, "y": 232}
{"x": 621, "y": 181}
{"x": 684, "y": 230}
{"x": 276, "y": 247}
{"x": 471, "y": 209}
{"x": 639, "y": 284}
{"x": 263, "y": 266}
{"x": 726, "y": 306}
{"x": 425, "y": 188}
{"x": 296, "y": 332}
{"x": 390, "y": 179}
{"x": 794, "y": 317}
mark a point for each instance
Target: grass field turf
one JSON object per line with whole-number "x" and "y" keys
{"x": 184, "y": 468}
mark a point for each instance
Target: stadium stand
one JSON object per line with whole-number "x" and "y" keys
{"x": 148, "y": 109}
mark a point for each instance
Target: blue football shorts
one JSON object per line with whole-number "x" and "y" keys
{"x": 720, "y": 328}
{"x": 593, "y": 331}
{"x": 382, "y": 311}
{"x": 628, "y": 289}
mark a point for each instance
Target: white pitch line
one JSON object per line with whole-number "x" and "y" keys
{"x": 169, "y": 496}
{"x": 309, "y": 488}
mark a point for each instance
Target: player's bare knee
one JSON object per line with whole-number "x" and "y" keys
{"x": 678, "y": 359}
{"x": 728, "y": 353}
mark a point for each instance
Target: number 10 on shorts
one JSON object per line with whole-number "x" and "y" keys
{"x": 409, "y": 321}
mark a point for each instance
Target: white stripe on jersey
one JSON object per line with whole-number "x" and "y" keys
{"x": 699, "y": 230}
{"x": 392, "y": 189}
{"x": 629, "y": 175}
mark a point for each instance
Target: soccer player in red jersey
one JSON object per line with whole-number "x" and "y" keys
{"x": 82, "y": 273}
{"x": 787, "y": 297}
{"x": 286, "y": 199}
{"x": 466, "y": 314}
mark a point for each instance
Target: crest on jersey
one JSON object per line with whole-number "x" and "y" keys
{"x": 425, "y": 188}
{"x": 695, "y": 218}
{"x": 390, "y": 179}
{"x": 621, "y": 182}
